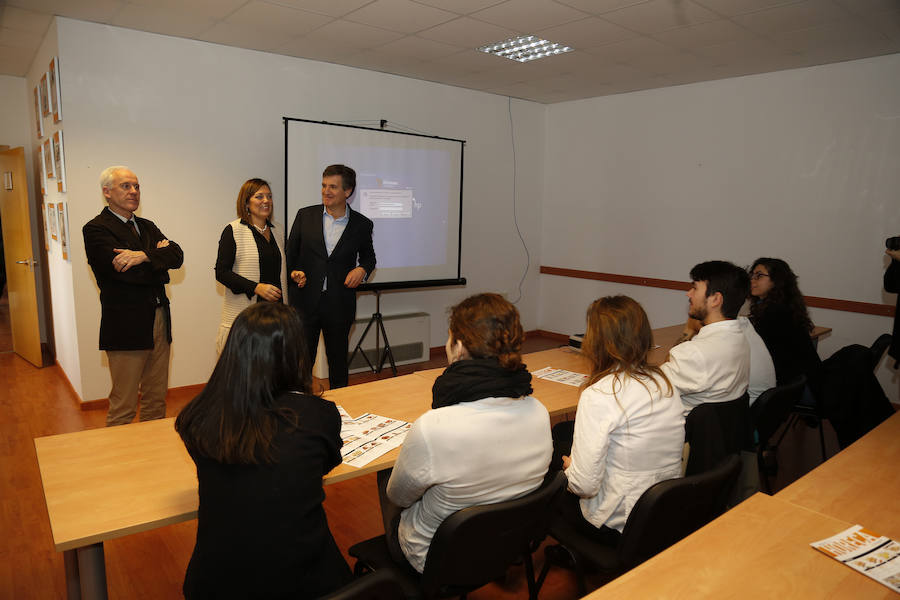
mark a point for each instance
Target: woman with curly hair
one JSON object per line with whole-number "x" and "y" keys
{"x": 629, "y": 429}
{"x": 486, "y": 439}
{"x": 778, "y": 313}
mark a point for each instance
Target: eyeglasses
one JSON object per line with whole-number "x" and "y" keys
{"x": 758, "y": 275}
{"x": 128, "y": 186}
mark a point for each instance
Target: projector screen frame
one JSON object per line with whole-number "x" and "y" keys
{"x": 389, "y": 285}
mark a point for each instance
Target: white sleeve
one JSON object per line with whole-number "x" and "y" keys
{"x": 686, "y": 369}
{"x": 412, "y": 474}
{"x": 597, "y": 417}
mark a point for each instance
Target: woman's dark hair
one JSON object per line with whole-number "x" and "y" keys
{"x": 234, "y": 419}
{"x": 250, "y": 187}
{"x": 784, "y": 293}
{"x": 617, "y": 342}
{"x": 488, "y": 326}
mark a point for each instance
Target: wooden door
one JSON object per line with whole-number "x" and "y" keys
{"x": 20, "y": 261}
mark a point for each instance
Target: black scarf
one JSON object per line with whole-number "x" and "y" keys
{"x": 478, "y": 378}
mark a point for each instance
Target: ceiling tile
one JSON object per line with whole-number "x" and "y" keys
{"x": 801, "y": 15}
{"x": 630, "y": 49}
{"x": 25, "y": 20}
{"x": 243, "y": 36}
{"x": 658, "y": 15}
{"x": 23, "y": 41}
{"x": 528, "y": 15}
{"x": 468, "y": 32}
{"x": 599, "y": 7}
{"x": 419, "y": 47}
{"x": 869, "y": 7}
{"x": 216, "y": 9}
{"x": 14, "y": 62}
{"x": 586, "y": 33}
{"x": 888, "y": 23}
{"x": 729, "y": 8}
{"x": 263, "y": 16}
{"x": 472, "y": 60}
{"x": 162, "y": 20}
{"x": 664, "y": 64}
{"x": 400, "y": 15}
{"x": 99, "y": 11}
{"x": 355, "y": 35}
{"x": 704, "y": 34}
{"x": 334, "y": 51}
{"x": 739, "y": 53}
{"x": 462, "y": 7}
{"x": 817, "y": 38}
{"x": 332, "y": 8}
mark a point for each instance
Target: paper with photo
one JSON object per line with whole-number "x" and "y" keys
{"x": 369, "y": 436}
{"x": 560, "y": 376}
{"x": 873, "y": 555}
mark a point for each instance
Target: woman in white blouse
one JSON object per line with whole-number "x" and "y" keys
{"x": 485, "y": 440}
{"x": 629, "y": 428}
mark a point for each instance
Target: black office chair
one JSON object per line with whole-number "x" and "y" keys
{"x": 475, "y": 545}
{"x": 714, "y": 430}
{"x": 879, "y": 347}
{"x": 383, "y": 584}
{"x": 771, "y": 410}
{"x": 664, "y": 514}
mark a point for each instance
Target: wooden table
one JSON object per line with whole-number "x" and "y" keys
{"x": 860, "y": 484}
{"x": 759, "y": 549}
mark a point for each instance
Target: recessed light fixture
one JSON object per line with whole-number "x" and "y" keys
{"x": 525, "y": 48}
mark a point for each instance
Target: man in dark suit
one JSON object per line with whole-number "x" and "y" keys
{"x": 329, "y": 253}
{"x": 131, "y": 258}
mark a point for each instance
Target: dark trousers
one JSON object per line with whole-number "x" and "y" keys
{"x": 335, "y": 327}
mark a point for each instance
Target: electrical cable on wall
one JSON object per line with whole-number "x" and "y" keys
{"x": 512, "y": 135}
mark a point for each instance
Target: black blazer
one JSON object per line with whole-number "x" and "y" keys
{"x": 892, "y": 285}
{"x": 305, "y": 251}
{"x": 129, "y": 299}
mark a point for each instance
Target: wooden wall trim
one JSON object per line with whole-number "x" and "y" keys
{"x": 867, "y": 308}
{"x": 103, "y": 403}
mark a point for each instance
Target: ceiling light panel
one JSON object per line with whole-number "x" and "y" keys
{"x": 525, "y": 48}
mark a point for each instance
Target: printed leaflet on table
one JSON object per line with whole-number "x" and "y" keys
{"x": 560, "y": 376}
{"x": 871, "y": 554}
{"x": 369, "y": 436}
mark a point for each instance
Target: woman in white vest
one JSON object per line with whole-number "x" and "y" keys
{"x": 250, "y": 263}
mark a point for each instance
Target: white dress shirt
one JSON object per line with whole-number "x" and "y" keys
{"x": 471, "y": 453}
{"x": 712, "y": 367}
{"x": 624, "y": 443}
{"x": 762, "y": 369}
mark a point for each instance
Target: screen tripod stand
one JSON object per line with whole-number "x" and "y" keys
{"x": 387, "y": 354}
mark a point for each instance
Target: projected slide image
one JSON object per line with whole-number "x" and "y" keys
{"x": 386, "y": 204}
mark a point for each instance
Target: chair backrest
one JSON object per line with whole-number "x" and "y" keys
{"x": 878, "y": 348}
{"x": 381, "y": 584}
{"x": 476, "y": 545}
{"x": 673, "y": 509}
{"x": 714, "y": 430}
{"x": 773, "y": 407}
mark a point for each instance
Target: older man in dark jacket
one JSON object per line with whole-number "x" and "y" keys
{"x": 131, "y": 258}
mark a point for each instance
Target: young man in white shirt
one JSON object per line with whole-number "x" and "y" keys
{"x": 713, "y": 366}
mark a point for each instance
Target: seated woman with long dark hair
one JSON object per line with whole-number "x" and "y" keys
{"x": 485, "y": 440}
{"x": 629, "y": 427}
{"x": 778, "y": 313}
{"x": 262, "y": 442}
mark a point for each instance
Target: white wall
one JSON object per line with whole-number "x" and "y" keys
{"x": 799, "y": 164}
{"x": 194, "y": 120}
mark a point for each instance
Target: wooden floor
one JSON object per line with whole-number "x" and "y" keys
{"x": 38, "y": 402}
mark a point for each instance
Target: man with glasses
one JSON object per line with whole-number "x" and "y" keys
{"x": 131, "y": 258}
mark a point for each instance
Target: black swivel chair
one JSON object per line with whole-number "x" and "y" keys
{"x": 879, "y": 347}
{"x": 772, "y": 409}
{"x": 383, "y": 584}
{"x": 475, "y": 545}
{"x": 664, "y": 514}
{"x": 714, "y": 430}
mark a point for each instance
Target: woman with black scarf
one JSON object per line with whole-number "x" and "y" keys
{"x": 486, "y": 439}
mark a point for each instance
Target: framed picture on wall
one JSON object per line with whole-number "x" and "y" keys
{"x": 52, "y": 219}
{"x": 59, "y": 161}
{"x": 46, "y": 217}
{"x": 46, "y": 109}
{"x": 48, "y": 160}
{"x": 55, "y": 97}
{"x": 63, "y": 228}
{"x": 42, "y": 170}
{"x": 38, "y": 112}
